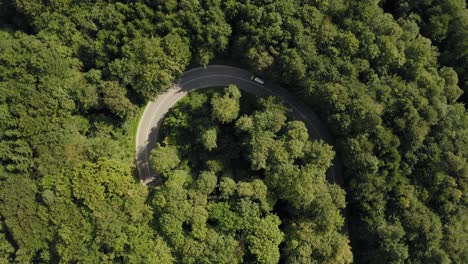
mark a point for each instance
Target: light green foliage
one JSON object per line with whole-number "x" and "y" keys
{"x": 85, "y": 212}
{"x": 273, "y": 116}
{"x": 261, "y": 134}
{"x": 79, "y": 215}
{"x": 164, "y": 158}
{"x": 218, "y": 248}
{"x": 208, "y": 138}
{"x": 225, "y": 108}
{"x": 215, "y": 165}
{"x": 295, "y": 138}
{"x": 40, "y": 74}
{"x": 298, "y": 185}
{"x": 306, "y": 244}
{"x": 150, "y": 64}
{"x": 244, "y": 123}
{"x": 45, "y": 98}
{"x": 227, "y": 187}
{"x": 235, "y": 201}
{"x": 107, "y": 141}
{"x": 370, "y": 69}
{"x": 206, "y": 182}
{"x": 264, "y": 237}
{"x": 227, "y": 220}
{"x": 260, "y": 144}
{"x": 256, "y": 191}
{"x": 121, "y": 231}
{"x": 444, "y": 23}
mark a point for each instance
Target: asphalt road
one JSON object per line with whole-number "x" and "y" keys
{"x": 219, "y": 75}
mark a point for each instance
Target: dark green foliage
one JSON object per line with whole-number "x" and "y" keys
{"x": 239, "y": 198}
{"x": 114, "y": 97}
{"x": 378, "y": 84}
{"x": 25, "y": 220}
{"x": 445, "y": 22}
{"x": 57, "y": 115}
{"x": 202, "y": 21}
{"x": 6, "y": 249}
{"x": 73, "y": 73}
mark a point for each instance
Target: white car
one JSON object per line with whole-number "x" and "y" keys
{"x": 256, "y": 79}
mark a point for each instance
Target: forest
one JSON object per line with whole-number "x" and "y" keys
{"x": 389, "y": 78}
{"x": 217, "y": 205}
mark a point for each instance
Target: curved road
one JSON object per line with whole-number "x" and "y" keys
{"x": 219, "y": 75}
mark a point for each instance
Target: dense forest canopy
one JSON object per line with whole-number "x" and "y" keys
{"x": 384, "y": 75}
{"x": 222, "y": 202}
{"x": 446, "y": 24}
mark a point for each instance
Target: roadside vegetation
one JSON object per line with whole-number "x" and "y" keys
{"x": 384, "y": 75}
{"x": 249, "y": 187}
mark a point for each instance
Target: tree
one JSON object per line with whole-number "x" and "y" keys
{"x": 227, "y": 187}
{"x": 150, "y": 64}
{"x": 225, "y": 219}
{"x": 6, "y": 249}
{"x": 295, "y": 138}
{"x": 442, "y": 22}
{"x": 306, "y": 244}
{"x": 226, "y": 107}
{"x": 208, "y": 138}
{"x": 114, "y": 97}
{"x": 25, "y": 220}
{"x": 164, "y": 158}
{"x": 122, "y": 233}
{"x": 235, "y": 199}
{"x": 264, "y": 237}
{"x": 206, "y": 182}
{"x": 216, "y": 248}
{"x": 256, "y": 191}
{"x": 273, "y": 116}
{"x": 377, "y": 72}
{"x": 41, "y": 88}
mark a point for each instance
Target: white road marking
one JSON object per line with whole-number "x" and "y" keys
{"x": 270, "y": 91}
{"x": 180, "y": 87}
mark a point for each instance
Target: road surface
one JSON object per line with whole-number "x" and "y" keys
{"x": 219, "y": 75}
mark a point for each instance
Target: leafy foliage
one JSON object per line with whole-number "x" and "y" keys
{"x": 445, "y": 22}
{"x": 149, "y": 64}
{"x": 226, "y": 107}
{"x": 164, "y": 158}
{"x": 378, "y": 84}
{"x": 222, "y": 193}
{"x": 93, "y": 213}
{"x": 73, "y": 74}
